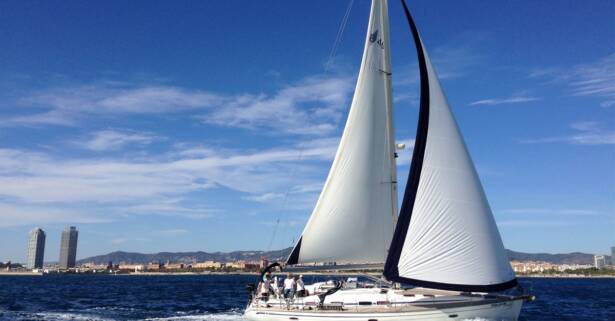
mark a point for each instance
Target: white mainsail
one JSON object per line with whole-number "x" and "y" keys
{"x": 446, "y": 235}
{"x": 354, "y": 218}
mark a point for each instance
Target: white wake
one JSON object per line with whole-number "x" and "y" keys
{"x": 70, "y": 316}
{"x": 223, "y": 316}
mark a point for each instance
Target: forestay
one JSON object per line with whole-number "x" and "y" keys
{"x": 353, "y": 220}
{"x": 446, "y": 236}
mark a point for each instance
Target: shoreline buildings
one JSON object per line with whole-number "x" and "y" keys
{"x": 68, "y": 248}
{"x": 36, "y": 249}
{"x": 599, "y": 261}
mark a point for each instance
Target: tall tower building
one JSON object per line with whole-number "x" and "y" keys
{"x": 68, "y": 247}
{"x": 36, "y": 249}
{"x": 612, "y": 255}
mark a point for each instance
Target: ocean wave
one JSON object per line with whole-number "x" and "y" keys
{"x": 223, "y": 316}
{"x": 69, "y": 316}
{"x": 52, "y": 316}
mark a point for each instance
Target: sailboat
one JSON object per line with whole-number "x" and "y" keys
{"x": 442, "y": 256}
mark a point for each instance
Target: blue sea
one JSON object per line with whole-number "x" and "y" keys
{"x": 223, "y": 297}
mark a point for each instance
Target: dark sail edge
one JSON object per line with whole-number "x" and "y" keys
{"x": 293, "y": 258}
{"x": 405, "y": 214}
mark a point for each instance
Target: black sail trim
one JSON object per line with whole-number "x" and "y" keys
{"x": 460, "y": 287}
{"x": 293, "y": 258}
{"x": 405, "y": 214}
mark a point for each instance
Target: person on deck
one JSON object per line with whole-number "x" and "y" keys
{"x": 265, "y": 285}
{"x": 276, "y": 287}
{"x": 280, "y": 289}
{"x": 289, "y": 286}
{"x": 301, "y": 287}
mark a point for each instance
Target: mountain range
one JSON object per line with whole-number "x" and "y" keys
{"x": 186, "y": 257}
{"x": 280, "y": 255}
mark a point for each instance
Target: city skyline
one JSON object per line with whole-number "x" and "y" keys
{"x": 68, "y": 248}
{"x": 163, "y": 127}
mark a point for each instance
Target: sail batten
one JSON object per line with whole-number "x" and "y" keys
{"x": 446, "y": 236}
{"x": 353, "y": 220}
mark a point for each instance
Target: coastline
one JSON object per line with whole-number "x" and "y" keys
{"x": 20, "y": 273}
{"x": 567, "y": 276}
{"x": 311, "y": 273}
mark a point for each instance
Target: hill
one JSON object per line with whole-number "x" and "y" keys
{"x": 567, "y": 258}
{"x": 186, "y": 257}
{"x": 279, "y": 255}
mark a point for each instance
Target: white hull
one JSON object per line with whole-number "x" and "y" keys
{"x": 367, "y": 304}
{"x": 504, "y": 311}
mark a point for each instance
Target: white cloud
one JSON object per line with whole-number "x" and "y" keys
{"x": 158, "y": 99}
{"x": 104, "y": 98}
{"x": 21, "y": 214}
{"x": 587, "y": 133}
{"x": 53, "y": 117}
{"x": 453, "y": 60}
{"x": 406, "y": 95}
{"x": 552, "y": 211}
{"x": 534, "y": 223}
{"x": 152, "y": 186}
{"x": 313, "y": 106}
{"x": 457, "y": 57}
{"x": 112, "y": 140}
{"x": 308, "y": 188}
{"x": 264, "y": 197}
{"x": 194, "y": 151}
{"x": 596, "y": 79}
{"x": 169, "y": 207}
{"x": 283, "y": 224}
{"x": 514, "y": 99}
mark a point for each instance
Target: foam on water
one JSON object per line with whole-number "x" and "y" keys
{"x": 51, "y": 316}
{"x": 231, "y": 316}
{"x": 63, "y": 316}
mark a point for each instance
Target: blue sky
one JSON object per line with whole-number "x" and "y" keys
{"x": 196, "y": 125}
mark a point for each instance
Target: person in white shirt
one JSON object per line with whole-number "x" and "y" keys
{"x": 289, "y": 286}
{"x": 276, "y": 286}
{"x": 301, "y": 287}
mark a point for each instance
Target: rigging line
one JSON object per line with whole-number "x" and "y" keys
{"x": 275, "y": 230}
{"x": 339, "y": 36}
{"x": 332, "y": 53}
{"x": 285, "y": 199}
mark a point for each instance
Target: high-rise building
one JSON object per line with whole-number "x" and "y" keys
{"x": 599, "y": 261}
{"x": 612, "y": 255}
{"x": 68, "y": 247}
{"x": 36, "y": 249}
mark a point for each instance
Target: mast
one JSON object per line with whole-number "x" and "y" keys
{"x": 446, "y": 236}
{"x": 353, "y": 220}
{"x": 390, "y": 119}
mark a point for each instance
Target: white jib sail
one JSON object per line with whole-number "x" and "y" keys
{"x": 452, "y": 238}
{"x": 353, "y": 220}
